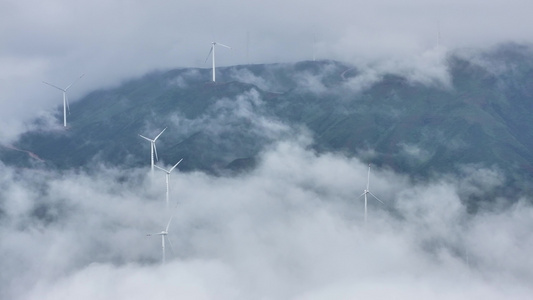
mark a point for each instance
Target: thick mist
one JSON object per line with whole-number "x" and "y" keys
{"x": 290, "y": 229}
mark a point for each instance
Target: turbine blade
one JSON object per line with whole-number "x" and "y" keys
{"x": 368, "y": 178}
{"x": 168, "y": 224}
{"x": 54, "y": 86}
{"x": 160, "y": 168}
{"x": 376, "y": 197}
{"x": 209, "y": 54}
{"x": 160, "y": 134}
{"x": 74, "y": 82}
{"x": 170, "y": 244}
{"x": 145, "y": 138}
{"x": 361, "y": 195}
{"x": 175, "y": 166}
{"x": 155, "y": 150}
{"x": 224, "y": 45}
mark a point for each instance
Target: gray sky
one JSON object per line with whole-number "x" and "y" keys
{"x": 58, "y": 40}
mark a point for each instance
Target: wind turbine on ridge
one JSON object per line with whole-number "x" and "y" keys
{"x": 212, "y": 51}
{"x": 153, "y": 149}
{"x": 168, "y": 175}
{"x": 367, "y": 191}
{"x": 65, "y": 99}
{"x": 164, "y": 237}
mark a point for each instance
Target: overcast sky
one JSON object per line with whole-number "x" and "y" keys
{"x": 58, "y": 40}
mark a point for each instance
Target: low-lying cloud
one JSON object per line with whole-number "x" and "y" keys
{"x": 291, "y": 229}
{"x": 243, "y": 120}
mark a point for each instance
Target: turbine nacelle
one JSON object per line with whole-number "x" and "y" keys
{"x": 171, "y": 169}
{"x": 212, "y": 52}
{"x": 65, "y": 98}
{"x": 164, "y": 237}
{"x": 153, "y": 148}
{"x": 157, "y": 233}
{"x": 368, "y": 192}
{"x": 215, "y": 43}
{"x": 167, "y": 177}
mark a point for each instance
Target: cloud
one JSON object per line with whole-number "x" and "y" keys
{"x": 291, "y": 229}
{"x": 182, "y": 81}
{"x": 428, "y": 67}
{"x": 223, "y": 120}
{"x": 245, "y": 75}
{"x": 304, "y": 77}
{"x": 415, "y": 152}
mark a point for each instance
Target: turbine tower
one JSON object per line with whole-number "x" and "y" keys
{"x": 153, "y": 149}
{"x": 367, "y": 191}
{"x": 168, "y": 175}
{"x": 164, "y": 237}
{"x": 65, "y": 100}
{"x": 212, "y": 51}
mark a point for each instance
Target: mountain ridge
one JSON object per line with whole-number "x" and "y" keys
{"x": 413, "y": 128}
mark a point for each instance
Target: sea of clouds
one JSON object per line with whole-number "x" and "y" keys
{"x": 293, "y": 228}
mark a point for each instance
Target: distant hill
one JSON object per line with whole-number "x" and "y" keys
{"x": 484, "y": 119}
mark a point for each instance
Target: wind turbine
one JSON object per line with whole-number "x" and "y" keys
{"x": 65, "y": 100}
{"x": 367, "y": 191}
{"x": 164, "y": 237}
{"x": 153, "y": 148}
{"x": 213, "y": 44}
{"x": 168, "y": 174}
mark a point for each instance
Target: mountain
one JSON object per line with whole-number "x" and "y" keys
{"x": 482, "y": 119}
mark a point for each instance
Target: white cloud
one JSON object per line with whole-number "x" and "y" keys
{"x": 227, "y": 115}
{"x": 291, "y": 229}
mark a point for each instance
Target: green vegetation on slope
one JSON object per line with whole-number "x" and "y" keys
{"x": 484, "y": 119}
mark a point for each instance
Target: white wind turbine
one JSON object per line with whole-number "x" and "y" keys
{"x": 164, "y": 237}
{"x": 212, "y": 51}
{"x": 367, "y": 191}
{"x": 168, "y": 175}
{"x": 153, "y": 149}
{"x": 65, "y": 100}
